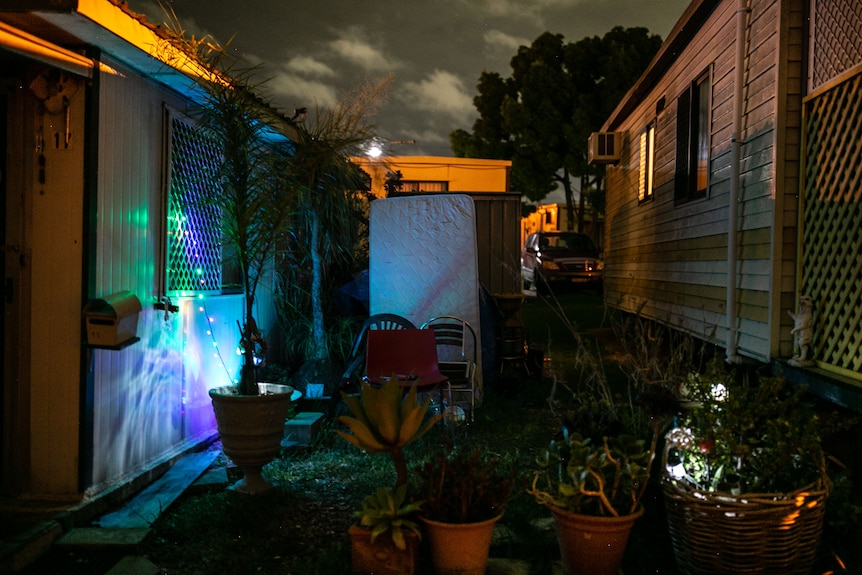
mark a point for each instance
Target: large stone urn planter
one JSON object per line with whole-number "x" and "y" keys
{"x": 251, "y": 429}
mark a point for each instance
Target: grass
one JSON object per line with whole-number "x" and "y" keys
{"x": 301, "y": 527}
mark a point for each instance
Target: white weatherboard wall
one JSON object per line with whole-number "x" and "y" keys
{"x": 424, "y": 260}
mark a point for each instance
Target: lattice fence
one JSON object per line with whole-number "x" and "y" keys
{"x": 194, "y": 255}
{"x": 837, "y": 44}
{"x": 832, "y": 207}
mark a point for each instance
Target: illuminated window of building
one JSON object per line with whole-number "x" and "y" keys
{"x": 424, "y": 186}
{"x": 692, "y": 145}
{"x": 647, "y": 163}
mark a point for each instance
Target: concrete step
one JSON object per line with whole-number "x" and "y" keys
{"x": 302, "y": 428}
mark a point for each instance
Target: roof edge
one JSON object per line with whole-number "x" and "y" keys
{"x": 680, "y": 36}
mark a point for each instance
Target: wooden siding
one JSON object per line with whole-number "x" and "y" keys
{"x": 670, "y": 261}
{"x": 787, "y": 165}
{"x": 498, "y": 220}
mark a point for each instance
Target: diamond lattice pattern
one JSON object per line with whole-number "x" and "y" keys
{"x": 832, "y": 246}
{"x": 837, "y": 45}
{"x": 194, "y": 247}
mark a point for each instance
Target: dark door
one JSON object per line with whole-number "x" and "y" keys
{"x": 13, "y": 410}
{"x": 7, "y": 281}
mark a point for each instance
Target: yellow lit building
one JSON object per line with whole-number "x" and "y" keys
{"x": 437, "y": 174}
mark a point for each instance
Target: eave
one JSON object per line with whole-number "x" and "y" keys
{"x": 680, "y": 36}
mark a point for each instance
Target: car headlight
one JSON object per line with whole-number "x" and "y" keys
{"x": 550, "y": 265}
{"x": 594, "y": 265}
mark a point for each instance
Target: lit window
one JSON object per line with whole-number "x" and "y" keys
{"x": 424, "y": 186}
{"x": 692, "y": 144}
{"x": 647, "y": 163}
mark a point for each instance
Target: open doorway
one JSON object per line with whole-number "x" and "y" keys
{"x": 4, "y": 107}
{"x": 14, "y": 410}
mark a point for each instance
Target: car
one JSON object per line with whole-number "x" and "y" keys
{"x": 560, "y": 257}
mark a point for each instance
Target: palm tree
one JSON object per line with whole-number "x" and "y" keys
{"x": 253, "y": 197}
{"x": 326, "y": 183}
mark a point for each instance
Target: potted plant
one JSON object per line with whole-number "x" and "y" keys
{"x": 593, "y": 489}
{"x": 250, "y": 200}
{"x": 744, "y": 476}
{"x": 385, "y": 541}
{"x": 464, "y": 496}
{"x": 594, "y": 474}
{"x": 385, "y": 420}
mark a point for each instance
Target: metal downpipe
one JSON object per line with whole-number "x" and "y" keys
{"x": 733, "y": 201}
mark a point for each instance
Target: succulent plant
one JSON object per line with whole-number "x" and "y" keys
{"x": 387, "y": 511}
{"x": 606, "y": 478}
{"x": 384, "y": 420}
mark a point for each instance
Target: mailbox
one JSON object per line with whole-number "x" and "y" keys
{"x": 112, "y": 321}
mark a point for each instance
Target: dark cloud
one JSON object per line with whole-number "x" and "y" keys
{"x": 312, "y": 52}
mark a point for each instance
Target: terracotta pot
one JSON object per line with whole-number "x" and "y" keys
{"x": 251, "y": 429}
{"x": 381, "y": 557}
{"x": 592, "y": 545}
{"x": 459, "y": 548}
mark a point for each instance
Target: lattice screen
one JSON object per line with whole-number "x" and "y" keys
{"x": 832, "y": 242}
{"x": 193, "y": 231}
{"x": 837, "y": 45}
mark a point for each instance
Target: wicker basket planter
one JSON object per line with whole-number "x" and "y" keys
{"x": 718, "y": 533}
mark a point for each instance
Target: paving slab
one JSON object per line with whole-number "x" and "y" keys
{"x": 145, "y": 508}
{"x": 499, "y": 566}
{"x": 134, "y": 565}
{"x": 99, "y": 537}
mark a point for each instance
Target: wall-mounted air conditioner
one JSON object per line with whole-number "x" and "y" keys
{"x": 605, "y": 147}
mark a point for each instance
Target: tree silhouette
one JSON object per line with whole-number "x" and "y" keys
{"x": 541, "y": 117}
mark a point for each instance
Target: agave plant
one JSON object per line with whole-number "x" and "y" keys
{"x": 385, "y": 420}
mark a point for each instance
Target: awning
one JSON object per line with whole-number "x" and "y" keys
{"x": 25, "y": 44}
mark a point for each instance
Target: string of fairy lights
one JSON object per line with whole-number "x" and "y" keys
{"x": 202, "y": 308}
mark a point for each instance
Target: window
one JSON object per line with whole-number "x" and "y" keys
{"x": 692, "y": 141}
{"x": 647, "y": 163}
{"x": 194, "y": 255}
{"x": 426, "y": 186}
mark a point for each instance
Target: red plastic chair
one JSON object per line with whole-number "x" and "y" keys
{"x": 408, "y": 354}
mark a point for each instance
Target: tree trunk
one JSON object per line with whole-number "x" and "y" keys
{"x": 570, "y": 203}
{"x": 248, "y": 379}
{"x": 585, "y": 184}
{"x": 320, "y": 351}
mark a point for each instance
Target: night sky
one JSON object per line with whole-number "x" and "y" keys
{"x": 311, "y": 52}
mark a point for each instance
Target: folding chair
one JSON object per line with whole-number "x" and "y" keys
{"x": 457, "y": 355}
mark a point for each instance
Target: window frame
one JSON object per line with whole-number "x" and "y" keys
{"x": 646, "y": 166}
{"x": 415, "y": 186}
{"x": 203, "y": 269}
{"x": 693, "y": 133}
